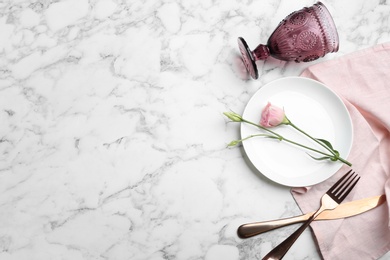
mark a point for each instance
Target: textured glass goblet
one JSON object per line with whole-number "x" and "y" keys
{"x": 304, "y": 35}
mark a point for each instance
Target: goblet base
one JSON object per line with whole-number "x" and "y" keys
{"x": 248, "y": 59}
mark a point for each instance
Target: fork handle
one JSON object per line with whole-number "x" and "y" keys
{"x": 279, "y": 251}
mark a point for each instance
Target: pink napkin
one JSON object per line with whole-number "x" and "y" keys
{"x": 362, "y": 80}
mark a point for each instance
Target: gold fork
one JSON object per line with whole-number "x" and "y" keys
{"x": 330, "y": 200}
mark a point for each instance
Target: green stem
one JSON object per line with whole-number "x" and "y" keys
{"x": 320, "y": 143}
{"x": 315, "y": 140}
{"x": 251, "y": 136}
{"x": 265, "y": 129}
{"x": 306, "y": 147}
{"x": 344, "y": 161}
{"x": 333, "y": 155}
{"x": 281, "y": 138}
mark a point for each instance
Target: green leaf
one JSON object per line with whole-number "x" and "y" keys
{"x": 327, "y": 143}
{"x": 336, "y": 157}
{"x": 320, "y": 158}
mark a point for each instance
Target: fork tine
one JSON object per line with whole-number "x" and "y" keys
{"x": 343, "y": 187}
{"x": 339, "y": 181}
{"x": 347, "y": 191}
{"x": 343, "y": 182}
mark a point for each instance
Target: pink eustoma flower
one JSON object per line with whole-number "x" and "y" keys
{"x": 273, "y": 116}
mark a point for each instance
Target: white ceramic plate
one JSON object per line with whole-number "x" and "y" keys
{"x": 314, "y": 108}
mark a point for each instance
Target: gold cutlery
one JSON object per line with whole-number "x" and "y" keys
{"x": 344, "y": 210}
{"x": 329, "y": 201}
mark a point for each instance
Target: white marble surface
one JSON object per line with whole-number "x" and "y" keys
{"x": 112, "y": 139}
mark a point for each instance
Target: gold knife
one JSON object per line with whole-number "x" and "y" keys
{"x": 344, "y": 210}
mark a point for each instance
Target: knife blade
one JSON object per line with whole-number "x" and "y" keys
{"x": 344, "y": 210}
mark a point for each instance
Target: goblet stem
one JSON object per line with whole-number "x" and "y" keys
{"x": 261, "y": 52}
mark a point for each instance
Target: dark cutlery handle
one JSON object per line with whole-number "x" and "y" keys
{"x": 279, "y": 251}
{"x": 256, "y": 228}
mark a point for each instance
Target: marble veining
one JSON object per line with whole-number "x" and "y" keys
{"x": 112, "y": 138}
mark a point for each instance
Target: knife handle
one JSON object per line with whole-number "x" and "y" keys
{"x": 256, "y": 228}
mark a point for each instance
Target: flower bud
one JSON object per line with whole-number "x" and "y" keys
{"x": 273, "y": 116}
{"x": 233, "y": 116}
{"x": 234, "y": 143}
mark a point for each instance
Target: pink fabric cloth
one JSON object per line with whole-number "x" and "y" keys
{"x": 362, "y": 80}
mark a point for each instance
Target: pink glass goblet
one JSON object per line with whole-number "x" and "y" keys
{"x": 304, "y": 35}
